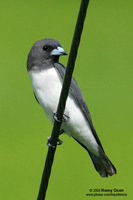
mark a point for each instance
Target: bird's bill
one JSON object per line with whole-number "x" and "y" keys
{"x": 59, "y": 51}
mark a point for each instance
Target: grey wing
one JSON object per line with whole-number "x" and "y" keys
{"x": 76, "y": 92}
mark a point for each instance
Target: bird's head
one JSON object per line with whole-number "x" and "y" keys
{"x": 44, "y": 52}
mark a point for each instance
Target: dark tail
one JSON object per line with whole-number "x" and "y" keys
{"x": 102, "y": 163}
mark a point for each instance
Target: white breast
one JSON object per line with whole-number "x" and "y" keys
{"x": 47, "y": 86}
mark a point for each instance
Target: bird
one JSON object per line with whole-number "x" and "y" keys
{"x": 47, "y": 74}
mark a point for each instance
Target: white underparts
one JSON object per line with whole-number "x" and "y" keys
{"x": 47, "y": 87}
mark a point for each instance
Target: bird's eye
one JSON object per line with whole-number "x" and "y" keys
{"x": 45, "y": 48}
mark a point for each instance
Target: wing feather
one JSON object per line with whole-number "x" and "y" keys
{"x": 77, "y": 94}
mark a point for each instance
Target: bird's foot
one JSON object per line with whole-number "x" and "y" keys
{"x": 55, "y": 116}
{"x": 65, "y": 117}
{"x": 59, "y": 142}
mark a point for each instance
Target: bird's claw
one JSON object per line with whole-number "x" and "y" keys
{"x": 55, "y": 116}
{"x": 65, "y": 117}
{"x": 59, "y": 142}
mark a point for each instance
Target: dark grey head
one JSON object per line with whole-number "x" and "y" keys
{"x": 44, "y": 53}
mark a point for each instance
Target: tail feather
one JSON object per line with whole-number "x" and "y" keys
{"x": 102, "y": 163}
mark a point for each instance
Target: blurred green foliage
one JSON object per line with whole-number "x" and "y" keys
{"x": 104, "y": 73}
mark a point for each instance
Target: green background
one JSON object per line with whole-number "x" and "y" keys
{"x": 104, "y": 73}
